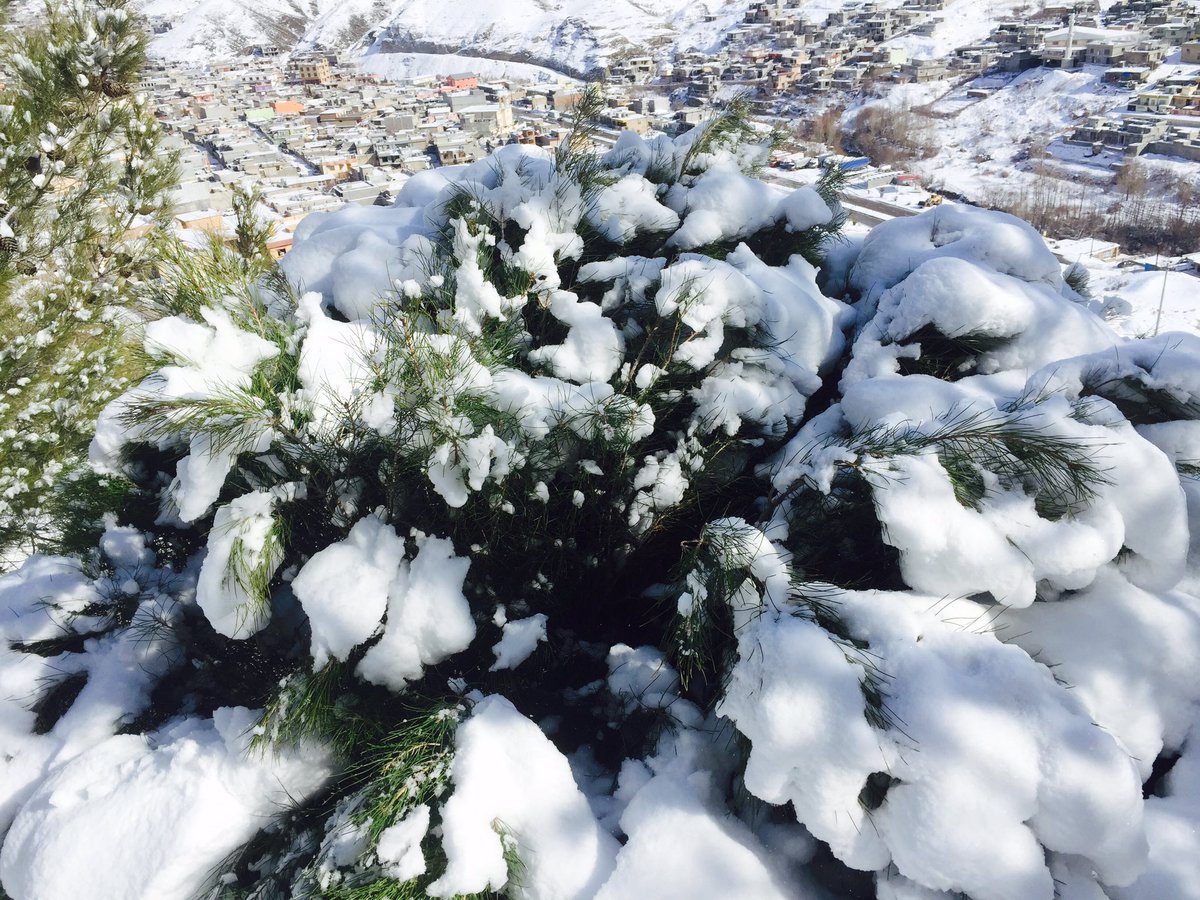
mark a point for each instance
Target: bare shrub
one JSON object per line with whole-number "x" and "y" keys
{"x": 823, "y": 128}
{"x": 1132, "y": 179}
{"x": 1139, "y": 222}
{"x": 1051, "y": 205}
{"x": 890, "y": 135}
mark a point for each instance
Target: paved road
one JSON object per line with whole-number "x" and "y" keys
{"x": 862, "y": 210}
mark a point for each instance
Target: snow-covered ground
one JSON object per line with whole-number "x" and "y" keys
{"x": 413, "y": 65}
{"x": 1134, "y": 297}
{"x": 959, "y": 24}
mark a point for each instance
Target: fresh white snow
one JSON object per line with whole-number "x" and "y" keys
{"x": 135, "y": 817}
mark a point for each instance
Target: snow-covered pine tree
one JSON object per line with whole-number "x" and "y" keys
{"x": 83, "y": 177}
{"x": 551, "y": 534}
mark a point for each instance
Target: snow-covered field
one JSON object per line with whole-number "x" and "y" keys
{"x": 413, "y": 65}
{"x": 1143, "y": 302}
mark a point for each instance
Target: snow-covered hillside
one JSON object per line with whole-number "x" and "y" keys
{"x": 961, "y": 23}
{"x": 577, "y": 34}
{"x": 572, "y": 35}
{"x": 991, "y": 144}
{"x": 204, "y": 29}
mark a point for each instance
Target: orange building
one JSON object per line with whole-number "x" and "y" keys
{"x": 287, "y": 108}
{"x": 463, "y": 81}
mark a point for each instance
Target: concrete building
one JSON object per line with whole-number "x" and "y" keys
{"x": 487, "y": 119}
{"x": 200, "y": 220}
{"x": 312, "y": 70}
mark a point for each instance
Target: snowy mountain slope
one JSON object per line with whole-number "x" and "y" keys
{"x": 202, "y": 29}
{"x": 579, "y": 34}
{"x": 573, "y": 35}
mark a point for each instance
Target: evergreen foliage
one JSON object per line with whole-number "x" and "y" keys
{"x": 82, "y": 176}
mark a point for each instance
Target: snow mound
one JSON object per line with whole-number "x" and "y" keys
{"x": 243, "y": 555}
{"x": 513, "y": 791}
{"x": 893, "y": 795}
{"x": 1017, "y": 325}
{"x": 998, "y": 241}
{"x": 343, "y": 614}
{"x": 428, "y": 618}
{"x": 209, "y": 362}
{"x": 86, "y": 830}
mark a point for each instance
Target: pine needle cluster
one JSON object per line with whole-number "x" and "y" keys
{"x": 83, "y": 179}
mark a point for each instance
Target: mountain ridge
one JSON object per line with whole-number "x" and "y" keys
{"x": 572, "y": 36}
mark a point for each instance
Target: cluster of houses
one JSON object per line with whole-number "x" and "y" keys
{"x": 1137, "y": 37}
{"x": 778, "y": 52}
{"x": 311, "y": 133}
{"x": 1163, "y": 120}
